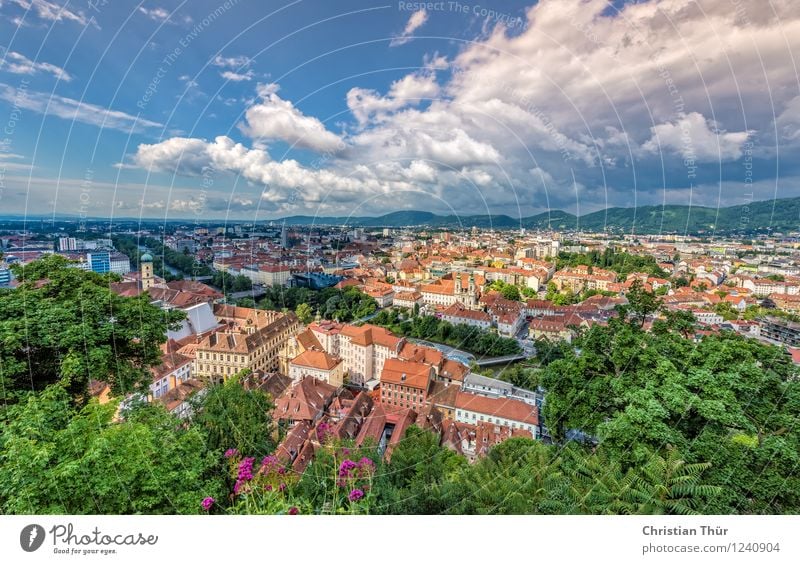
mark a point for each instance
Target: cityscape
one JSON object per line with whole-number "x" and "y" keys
{"x": 426, "y": 258}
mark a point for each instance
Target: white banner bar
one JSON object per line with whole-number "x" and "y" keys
{"x": 452, "y": 539}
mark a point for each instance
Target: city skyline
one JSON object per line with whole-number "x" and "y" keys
{"x": 175, "y": 111}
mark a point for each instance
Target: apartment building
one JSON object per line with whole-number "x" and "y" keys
{"x": 248, "y": 339}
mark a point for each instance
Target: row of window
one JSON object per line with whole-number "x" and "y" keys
{"x": 495, "y": 420}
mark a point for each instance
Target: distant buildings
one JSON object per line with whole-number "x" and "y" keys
{"x": 781, "y": 331}
{"x": 99, "y": 262}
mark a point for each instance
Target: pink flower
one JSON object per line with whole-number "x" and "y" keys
{"x": 293, "y": 510}
{"x": 207, "y": 503}
{"x": 345, "y": 467}
{"x": 246, "y": 469}
{"x": 355, "y": 495}
{"x": 231, "y": 452}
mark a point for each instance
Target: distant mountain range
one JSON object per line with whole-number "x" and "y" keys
{"x": 774, "y": 215}
{"x": 771, "y": 215}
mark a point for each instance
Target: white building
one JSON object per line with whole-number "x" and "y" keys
{"x": 473, "y": 409}
{"x": 320, "y": 365}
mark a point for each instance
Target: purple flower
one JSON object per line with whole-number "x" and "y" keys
{"x": 231, "y": 452}
{"x": 346, "y": 451}
{"x": 293, "y": 510}
{"x": 322, "y": 431}
{"x": 355, "y": 495}
{"x": 207, "y": 503}
{"x": 282, "y": 487}
{"x": 237, "y": 486}
{"x": 345, "y": 467}
{"x": 268, "y": 487}
{"x": 246, "y": 469}
{"x": 365, "y": 462}
{"x": 269, "y": 460}
{"x": 281, "y": 471}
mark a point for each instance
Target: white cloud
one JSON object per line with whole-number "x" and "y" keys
{"x": 273, "y": 118}
{"x": 416, "y": 21}
{"x": 17, "y": 63}
{"x": 692, "y": 137}
{"x": 237, "y": 77}
{"x": 191, "y": 157}
{"x": 74, "y": 110}
{"x": 367, "y": 104}
{"x": 231, "y": 62}
{"x": 235, "y": 69}
{"x": 51, "y": 11}
{"x": 578, "y": 90}
{"x": 157, "y": 14}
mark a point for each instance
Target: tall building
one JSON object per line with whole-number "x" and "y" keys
{"x": 148, "y": 280}
{"x": 100, "y": 262}
{"x": 67, "y": 244}
{"x": 284, "y": 238}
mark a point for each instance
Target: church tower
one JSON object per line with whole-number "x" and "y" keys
{"x": 472, "y": 297}
{"x": 148, "y": 281}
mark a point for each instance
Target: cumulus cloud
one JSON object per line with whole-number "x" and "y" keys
{"x": 192, "y": 157}
{"x": 274, "y": 118}
{"x": 693, "y": 137}
{"x": 416, "y": 21}
{"x": 366, "y": 104}
{"x": 581, "y": 102}
{"x": 17, "y": 63}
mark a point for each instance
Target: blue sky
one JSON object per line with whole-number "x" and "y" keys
{"x": 256, "y": 110}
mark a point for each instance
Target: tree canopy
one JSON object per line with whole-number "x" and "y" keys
{"x": 63, "y": 324}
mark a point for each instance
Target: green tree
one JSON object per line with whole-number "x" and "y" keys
{"x": 56, "y": 459}
{"x": 64, "y": 324}
{"x": 304, "y": 313}
{"x": 642, "y": 303}
{"x": 406, "y": 486}
{"x": 232, "y": 417}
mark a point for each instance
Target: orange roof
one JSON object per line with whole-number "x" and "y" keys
{"x": 511, "y": 409}
{"x": 405, "y": 373}
{"x": 316, "y": 359}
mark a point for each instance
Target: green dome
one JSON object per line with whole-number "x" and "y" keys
{"x": 147, "y": 257}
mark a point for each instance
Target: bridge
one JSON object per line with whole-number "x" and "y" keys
{"x": 500, "y": 359}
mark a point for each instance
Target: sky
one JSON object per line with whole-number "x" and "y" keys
{"x": 255, "y": 110}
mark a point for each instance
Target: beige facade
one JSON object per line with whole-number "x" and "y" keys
{"x": 252, "y": 339}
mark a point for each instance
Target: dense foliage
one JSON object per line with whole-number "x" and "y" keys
{"x": 56, "y": 458}
{"x": 622, "y": 263}
{"x": 508, "y": 291}
{"x": 471, "y": 339}
{"x": 228, "y": 282}
{"x": 725, "y": 400}
{"x": 64, "y": 324}
{"x": 233, "y": 417}
{"x": 332, "y": 303}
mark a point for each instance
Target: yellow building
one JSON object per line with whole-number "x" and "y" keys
{"x": 249, "y": 339}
